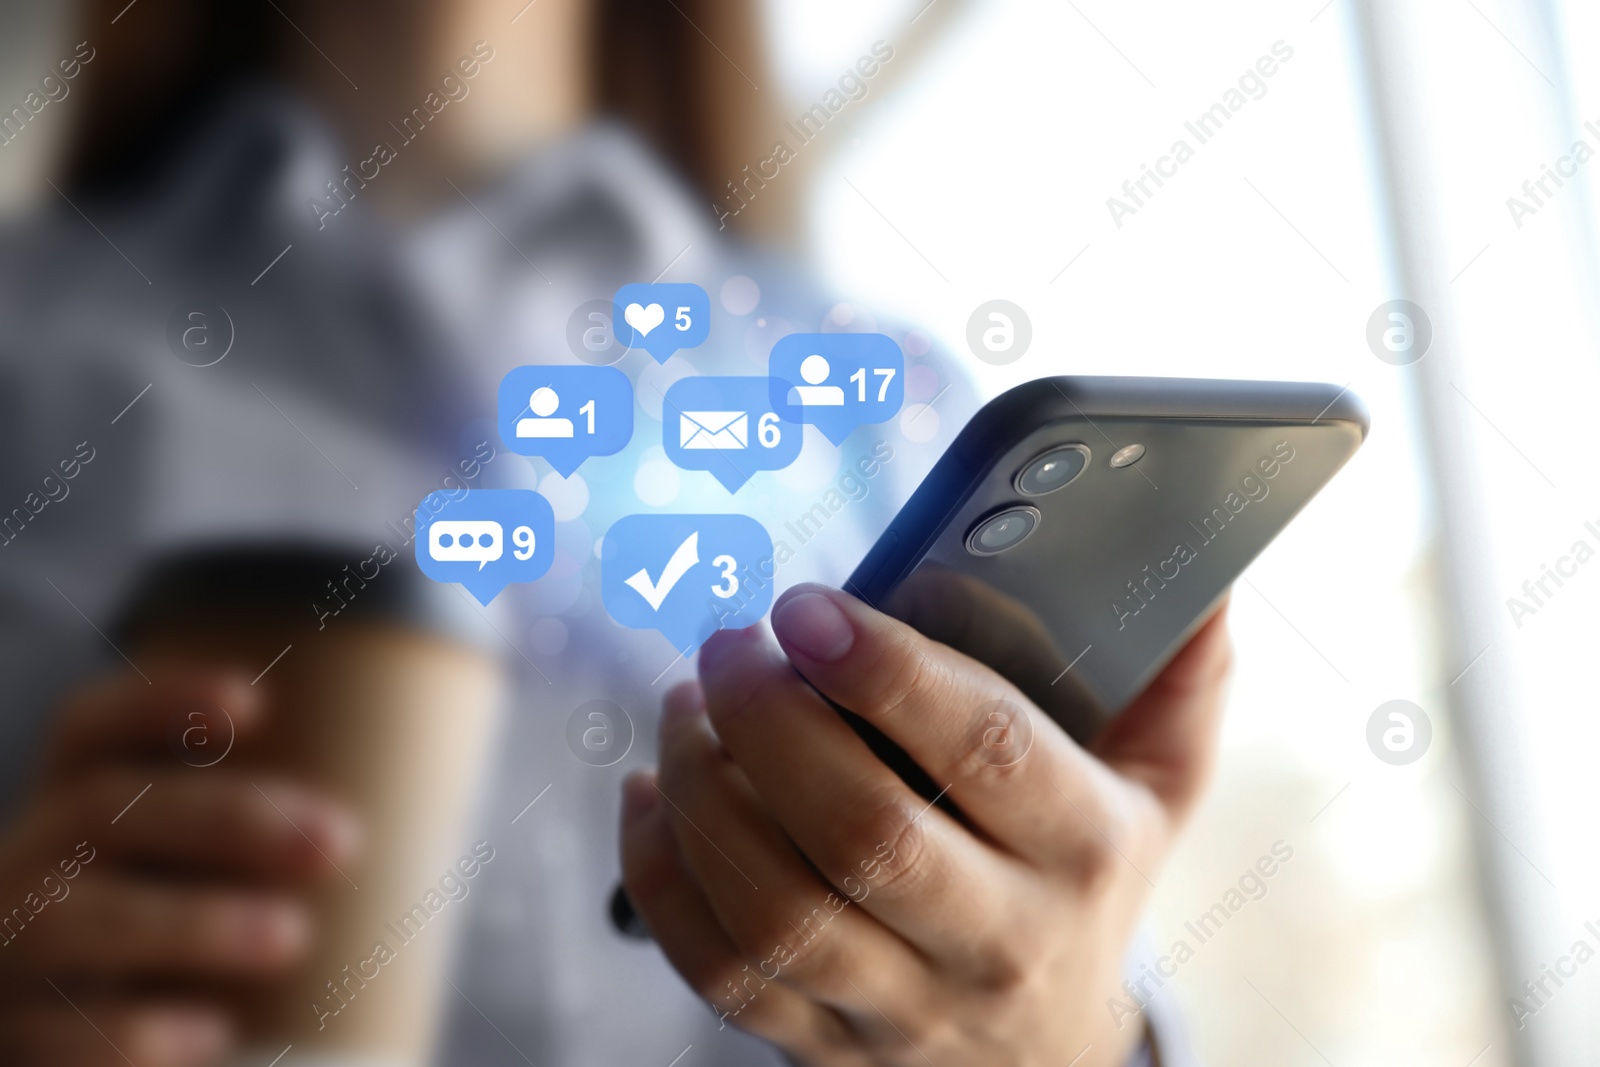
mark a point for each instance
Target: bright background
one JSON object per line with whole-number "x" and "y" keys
{"x": 1377, "y": 166}
{"x": 1418, "y": 897}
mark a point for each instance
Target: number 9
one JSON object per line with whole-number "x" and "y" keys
{"x": 522, "y": 537}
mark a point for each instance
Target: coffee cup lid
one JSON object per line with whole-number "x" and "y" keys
{"x": 277, "y": 582}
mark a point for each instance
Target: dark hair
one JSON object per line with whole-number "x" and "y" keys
{"x": 656, "y": 69}
{"x": 652, "y": 67}
{"x": 169, "y": 67}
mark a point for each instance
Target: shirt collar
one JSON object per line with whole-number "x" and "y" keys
{"x": 597, "y": 196}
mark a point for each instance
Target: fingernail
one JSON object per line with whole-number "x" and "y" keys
{"x": 191, "y": 1037}
{"x": 683, "y": 702}
{"x": 238, "y": 699}
{"x": 312, "y": 826}
{"x": 343, "y": 831}
{"x": 639, "y": 798}
{"x": 272, "y": 930}
{"x": 814, "y": 626}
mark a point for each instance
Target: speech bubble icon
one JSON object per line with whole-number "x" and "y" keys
{"x": 661, "y": 318}
{"x": 687, "y": 576}
{"x": 837, "y": 381}
{"x": 726, "y": 427}
{"x": 566, "y": 414}
{"x": 485, "y": 539}
{"x": 466, "y": 541}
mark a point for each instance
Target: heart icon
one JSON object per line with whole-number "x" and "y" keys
{"x": 643, "y": 318}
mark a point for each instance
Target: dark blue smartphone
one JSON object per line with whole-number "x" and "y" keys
{"x": 1080, "y": 529}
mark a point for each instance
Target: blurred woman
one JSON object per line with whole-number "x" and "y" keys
{"x": 396, "y": 204}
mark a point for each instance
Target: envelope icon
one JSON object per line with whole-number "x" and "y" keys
{"x": 727, "y": 430}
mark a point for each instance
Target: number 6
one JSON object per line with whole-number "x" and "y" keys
{"x": 523, "y": 538}
{"x": 767, "y": 431}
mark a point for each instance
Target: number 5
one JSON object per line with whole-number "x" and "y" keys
{"x": 682, "y": 320}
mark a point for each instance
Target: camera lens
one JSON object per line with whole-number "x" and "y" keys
{"x": 1001, "y": 531}
{"x": 1049, "y": 472}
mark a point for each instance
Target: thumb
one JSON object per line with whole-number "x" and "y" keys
{"x": 1167, "y": 738}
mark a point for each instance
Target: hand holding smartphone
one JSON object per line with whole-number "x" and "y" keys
{"x": 1079, "y": 530}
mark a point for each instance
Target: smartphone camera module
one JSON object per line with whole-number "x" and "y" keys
{"x": 1127, "y": 457}
{"x": 1052, "y": 470}
{"x": 1002, "y": 531}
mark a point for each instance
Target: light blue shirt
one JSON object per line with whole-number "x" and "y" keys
{"x": 364, "y": 363}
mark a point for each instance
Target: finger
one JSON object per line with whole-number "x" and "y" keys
{"x": 684, "y": 926}
{"x": 851, "y": 816}
{"x": 947, "y": 711}
{"x": 112, "y": 925}
{"x": 118, "y": 717}
{"x": 223, "y": 825}
{"x": 786, "y": 922}
{"x": 1167, "y": 738}
{"x": 87, "y": 1033}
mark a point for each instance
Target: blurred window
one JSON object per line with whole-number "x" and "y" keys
{"x": 1015, "y": 162}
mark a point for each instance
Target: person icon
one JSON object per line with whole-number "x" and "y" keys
{"x": 543, "y": 403}
{"x": 815, "y": 370}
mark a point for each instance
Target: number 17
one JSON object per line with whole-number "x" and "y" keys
{"x": 860, "y": 378}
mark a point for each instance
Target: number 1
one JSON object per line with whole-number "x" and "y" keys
{"x": 588, "y": 409}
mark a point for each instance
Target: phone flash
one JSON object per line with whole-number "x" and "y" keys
{"x": 1128, "y": 456}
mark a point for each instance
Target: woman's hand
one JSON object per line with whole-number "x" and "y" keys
{"x": 813, "y": 899}
{"x": 131, "y": 869}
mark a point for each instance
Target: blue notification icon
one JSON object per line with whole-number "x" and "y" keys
{"x": 486, "y": 539}
{"x": 661, "y": 318}
{"x": 566, "y": 414}
{"x": 687, "y": 576}
{"x": 726, "y": 427}
{"x": 837, "y": 381}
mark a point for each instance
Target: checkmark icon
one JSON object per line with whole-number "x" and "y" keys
{"x": 654, "y": 592}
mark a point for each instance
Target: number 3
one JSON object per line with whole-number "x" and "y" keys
{"x": 727, "y": 563}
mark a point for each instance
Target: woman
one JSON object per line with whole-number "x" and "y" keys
{"x": 231, "y": 156}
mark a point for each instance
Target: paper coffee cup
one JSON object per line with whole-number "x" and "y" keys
{"x": 389, "y": 706}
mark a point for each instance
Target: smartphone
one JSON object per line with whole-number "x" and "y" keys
{"x": 1080, "y": 529}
